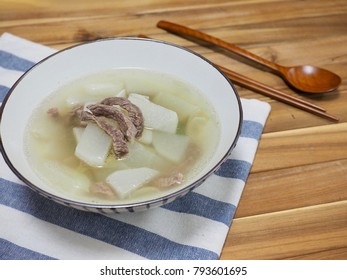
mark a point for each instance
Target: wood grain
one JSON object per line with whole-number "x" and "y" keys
{"x": 294, "y": 205}
{"x": 296, "y": 233}
{"x": 300, "y": 147}
{"x": 296, "y": 187}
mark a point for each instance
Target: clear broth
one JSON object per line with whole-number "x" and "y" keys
{"x": 50, "y": 143}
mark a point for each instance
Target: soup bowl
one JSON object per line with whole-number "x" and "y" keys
{"x": 72, "y": 63}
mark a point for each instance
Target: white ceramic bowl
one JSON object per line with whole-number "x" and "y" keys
{"x": 72, "y": 63}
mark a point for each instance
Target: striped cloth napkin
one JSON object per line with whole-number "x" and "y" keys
{"x": 193, "y": 227}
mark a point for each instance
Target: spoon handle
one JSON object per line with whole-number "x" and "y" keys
{"x": 183, "y": 30}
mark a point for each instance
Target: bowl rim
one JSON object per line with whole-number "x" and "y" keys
{"x": 129, "y": 206}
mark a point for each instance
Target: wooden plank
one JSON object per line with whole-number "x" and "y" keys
{"x": 301, "y": 233}
{"x": 296, "y": 187}
{"x": 331, "y": 254}
{"x": 301, "y": 147}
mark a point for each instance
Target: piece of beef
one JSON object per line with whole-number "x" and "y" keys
{"x": 72, "y": 118}
{"x": 176, "y": 178}
{"x": 134, "y": 112}
{"x": 102, "y": 188}
{"x": 125, "y": 124}
{"x": 53, "y": 112}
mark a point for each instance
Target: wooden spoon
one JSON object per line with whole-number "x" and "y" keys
{"x": 309, "y": 79}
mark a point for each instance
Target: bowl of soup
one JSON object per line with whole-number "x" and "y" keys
{"x": 120, "y": 124}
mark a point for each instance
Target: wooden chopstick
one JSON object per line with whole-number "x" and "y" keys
{"x": 266, "y": 90}
{"x": 243, "y": 81}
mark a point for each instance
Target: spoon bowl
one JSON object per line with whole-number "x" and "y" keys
{"x": 310, "y": 79}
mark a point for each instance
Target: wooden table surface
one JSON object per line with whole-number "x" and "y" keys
{"x": 294, "y": 205}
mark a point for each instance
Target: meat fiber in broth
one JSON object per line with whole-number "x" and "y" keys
{"x": 121, "y": 136}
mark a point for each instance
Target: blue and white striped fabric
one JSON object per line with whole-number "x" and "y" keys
{"x": 193, "y": 227}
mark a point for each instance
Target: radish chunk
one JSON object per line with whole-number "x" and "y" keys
{"x": 122, "y": 93}
{"x": 73, "y": 101}
{"x": 155, "y": 116}
{"x": 103, "y": 89}
{"x": 171, "y": 146}
{"x": 146, "y": 136}
{"x": 123, "y": 182}
{"x": 143, "y": 155}
{"x": 182, "y": 107}
{"x": 199, "y": 128}
{"x": 93, "y": 146}
{"x": 139, "y": 155}
{"x": 65, "y": 177}
{"x": 77, "y": 133}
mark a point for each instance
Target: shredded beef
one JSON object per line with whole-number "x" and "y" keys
{"x": 101, "y": 188}
{"x": 53, "y": 112}
{"x": 74, "y": 116}
{"x": 125, "y": 124}
{"x": 176, "y": 178}
{"x": 134, "y": 112}
{"x": 71, "y": 118}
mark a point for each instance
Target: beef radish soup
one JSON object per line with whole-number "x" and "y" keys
{"x": 123, "y": 135}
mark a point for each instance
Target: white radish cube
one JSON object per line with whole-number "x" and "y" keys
{"x": 124, "y": 182}
{"x": 182, "y": 107}
{"x": 94, "y": 146}
{"x": 122, "y": 93}
{"x": 103, "y": 89}
{"x": 155, "y": 116}
{"x": 146, "y": 136}
{"x": 77, "y": 133}
{"x": 76, "y": 100}
{"x": 171, "y": 146}
{"x": 141, "y": 83}
{"x": 143, "y": 155}
{"x": 199, "y": 129}
{"x": 139, "y": 155}
{"x": 65, "y": 177}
